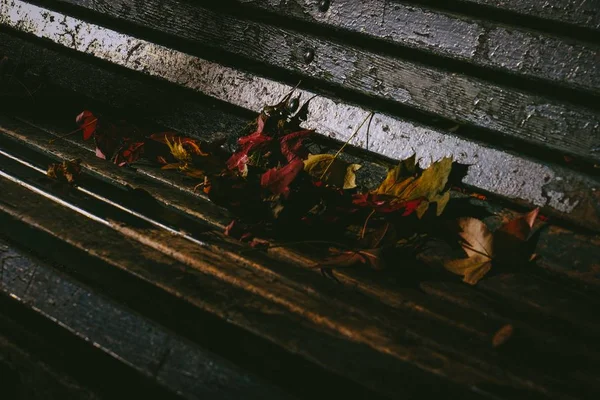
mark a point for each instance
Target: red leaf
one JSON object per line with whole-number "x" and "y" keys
{"x": 277, "y": 180}
{"x": 129, "y": 154}
{"x": 260, "y": 123}
{"x": 100, "y": 154}
{"x": 291, "y": 145}
{"x": 385, "y": 204}
{"x": 259, "y": 243}
{"x": 229, "y": 229}
{"x": 251, "y": 142}
{"x": 87, "y": 122}
{"x": 521, "y": 226}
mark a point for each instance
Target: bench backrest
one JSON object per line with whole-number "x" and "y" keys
{"x": 510, "y": 87}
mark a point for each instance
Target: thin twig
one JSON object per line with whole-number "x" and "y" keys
{"x": 364, "y": 229}
{"x": 347, "y": 142}
{"x": 73, "y": 132}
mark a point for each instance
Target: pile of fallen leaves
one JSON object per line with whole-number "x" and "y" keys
{"x": 278, "y": 186}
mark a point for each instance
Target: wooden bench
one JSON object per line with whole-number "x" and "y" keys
{"x": 126, "y": 286}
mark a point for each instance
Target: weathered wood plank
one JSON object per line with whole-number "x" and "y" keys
{"x": 299, "y": 326}
{"x": 445, "y": 359}
{"x": 538, "y": 121}
{"x": 140, "y": 343}
{"x": 480, "y": 42}
{"x": 24, "y": 376}
{"x": 418, "y": 326}
{"x": 571, "y": 195}
{"x": 553, "y": 249}
{"x": 585, "y": 13}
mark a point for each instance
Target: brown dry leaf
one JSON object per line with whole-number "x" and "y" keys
{"x": 403, "y": 183}
{"x": 507, "y": 245}
{"x": 331, "y": 170}
{"x": 511, "y": 240}
{"x": 67, "y": 170}
{"x": 478, "y": 244}
{"x": 502, "y": 335}
{"x": 371, "y": 257}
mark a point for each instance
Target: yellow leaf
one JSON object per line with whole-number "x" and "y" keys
{"x": 472, "y": 269}
{"x": 404, "y": 183}
{"x": 398, "y": 178}
{"x": 178, "y": 151}
{"x": 331, "y": 170}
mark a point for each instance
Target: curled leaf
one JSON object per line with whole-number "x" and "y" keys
{"x": 277, "y": 180}
{"x": 68, "y": 171}
{"x": 332, "y": 170}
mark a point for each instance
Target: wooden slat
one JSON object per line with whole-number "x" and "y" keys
{"x": 585, "y": 13}
{"x": 343, "y": 318}
{"x": 472, "y": 39}
{"x": 161, "y": 355}
{"x": 371, "y": 287}
{"x": 347, "y": 298}
{"x": 555, "y": 247}
{"x": 539, "y": 121}
{"x": 264, "y": 307}
{"x": 571, "y": 195}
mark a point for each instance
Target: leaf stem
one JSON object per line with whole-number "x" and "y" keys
{"x": 73, "y": 132}
{"x": 369, "y": 116}
{"x": 364, "y": 229}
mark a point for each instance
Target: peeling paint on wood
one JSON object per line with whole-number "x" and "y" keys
{"x": 515, "y": 50}
{"x": 495, "y": 171}
{"x": 500, "y": 110}
{"x": 585, "y": 13}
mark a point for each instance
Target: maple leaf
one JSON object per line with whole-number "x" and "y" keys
{"x": 478, "y": 244}
{"x": 332, "y": 170}
{"x": 68, "y": 171}
{"x": 407, "y": 182}
{"x": 507, "y": 245}
{"x": 277, "y": 180}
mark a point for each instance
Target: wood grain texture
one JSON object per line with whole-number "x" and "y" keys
{"x": 474, "y": 40}
{"x": 282, "y": 291}
{"x": 267, "y": 310}
{"x": 538, "y": 121}
{"x": 585, "y": 13}
{"x": 571, "y": 194}
{"x": 160, "y": 355}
